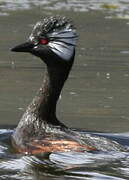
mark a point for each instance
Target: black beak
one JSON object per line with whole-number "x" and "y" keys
{"x": 25, "y": 47}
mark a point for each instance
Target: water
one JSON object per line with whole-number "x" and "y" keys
{"x": 96, "y": 96}
{"x": 97, "y": 165}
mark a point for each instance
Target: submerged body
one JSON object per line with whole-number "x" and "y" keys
{"x": 39, "y": 130}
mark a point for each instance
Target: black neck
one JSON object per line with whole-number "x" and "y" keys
{"x": 44, "y": 104}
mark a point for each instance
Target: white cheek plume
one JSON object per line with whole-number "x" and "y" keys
{"x": 63, "y": 43}
{"x": 62, "y": 50}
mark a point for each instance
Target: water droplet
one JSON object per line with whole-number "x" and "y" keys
{"x": 13, "y": 65}
{"x": 110, "y": 97}
{"x": 107, "y": 75}
{"x": 72, "y": 93}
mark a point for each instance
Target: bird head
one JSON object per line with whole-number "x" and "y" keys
{"x": 53, "y": 40}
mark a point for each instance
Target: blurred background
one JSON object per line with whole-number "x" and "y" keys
{"x": 96, "y": 95}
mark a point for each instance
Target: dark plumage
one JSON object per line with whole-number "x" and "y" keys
{"x": 53, "y": 40}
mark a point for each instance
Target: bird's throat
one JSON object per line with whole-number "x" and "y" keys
{"x": 44, "y": 103}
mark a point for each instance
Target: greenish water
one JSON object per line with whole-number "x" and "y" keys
{"x": 96, "y": 95}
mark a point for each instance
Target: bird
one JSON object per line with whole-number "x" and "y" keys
{"x": 53, "y": 40}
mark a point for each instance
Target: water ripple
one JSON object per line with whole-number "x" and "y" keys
{"x": 98, "y": 165}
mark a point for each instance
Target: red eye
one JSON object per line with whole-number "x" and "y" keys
{"x": 43, "y": 41}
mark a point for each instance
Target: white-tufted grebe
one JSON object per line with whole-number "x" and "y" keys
{"x": 53, "y": 40}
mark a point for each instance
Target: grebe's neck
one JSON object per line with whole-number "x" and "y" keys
{"x": 44, "y": 104}
{"x": 40, "y": 116}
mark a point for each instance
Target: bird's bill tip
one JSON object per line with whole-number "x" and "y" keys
{"x": 24, "y": 47}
